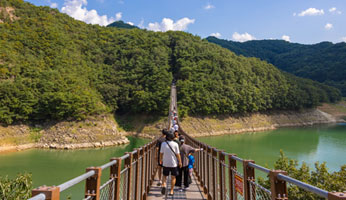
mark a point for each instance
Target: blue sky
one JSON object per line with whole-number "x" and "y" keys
{"x": 302, "y": 21}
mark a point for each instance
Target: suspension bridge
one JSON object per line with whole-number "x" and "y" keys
{"x": 217, "y": 176}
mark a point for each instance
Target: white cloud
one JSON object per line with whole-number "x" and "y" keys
{"x": 208, "y": 7}
{"x": 311, "y": 12}
{"x": 131, "y": 23}
{"x": 53, "y": 5}
{"x": 242, "y": 37}
{"x": 343, "y": 39}
{"x": 335, "y": 11}
{"x": 218, "y": 35}
{"x": 286, "y": 38}
{"x": 168, "y": 24}
{"x": 328, "y": 26}
{"x": 118, "y": 16}
{"x": 77, "y": 10}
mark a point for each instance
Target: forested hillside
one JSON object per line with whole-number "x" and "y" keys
{"x": 121, "y": 24}
{"x": 53, "y": 67}
{"x": 324, "y": 62}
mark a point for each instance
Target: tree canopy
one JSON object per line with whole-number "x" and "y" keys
{"x": 53, "y": 67}
{"x": 324, "y": 62}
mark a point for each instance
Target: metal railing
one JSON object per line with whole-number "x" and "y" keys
{"x": 218, "y": 174}
{"x": 220, "y": 178}
{"x": 130, "y": 177}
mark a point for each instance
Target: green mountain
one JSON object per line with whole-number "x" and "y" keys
{"x": 53, "y": 67}
{"x": 324, "y": 62}
{"x": 121, "y": 24}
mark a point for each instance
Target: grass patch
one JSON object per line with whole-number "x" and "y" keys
{"x": 35, "y": 134}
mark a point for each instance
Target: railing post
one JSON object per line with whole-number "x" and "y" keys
{"x": 232, "y": 166}
{"x": 136, "y": 160}
{"x": 141, "y": 156}
{"x": 93, "y": 183}
{"x": 115, "y": 172}
{"x": 249, "y": 174}
{"x": 208, "y": 173}
{"x": 278, "y": 187}
{"x": 147, "y": 187}
{"x": 214, "y": 172}
{"x": 204, "y": 162}
{"x": 51, "y": 193}
{"x": 222, "y": 175}
{"x": 149, "y": 167}
{"x": 128, "y": 163}
{"x": 336, "y": 195}
{"x": 199, "y": 164}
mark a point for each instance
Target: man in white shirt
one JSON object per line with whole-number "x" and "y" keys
{"x": 170, "y": 159}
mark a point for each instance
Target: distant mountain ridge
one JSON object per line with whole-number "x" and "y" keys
{"x": 122, "y": 24}
{"x": 324, "y": 62}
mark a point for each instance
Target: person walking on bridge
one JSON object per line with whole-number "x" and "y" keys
{"x": 158, "y": 148}
{"x": 185, "y": 150}
{"x": 170, "y": 160}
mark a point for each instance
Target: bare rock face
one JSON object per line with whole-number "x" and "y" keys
{"x": 207, "y": 126}
{"x": 8, "y": 13}
{"x": 93, "y": 130}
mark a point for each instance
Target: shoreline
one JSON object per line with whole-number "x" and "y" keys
{"x": 22, "y": 147}
{"x": 255, "y": 122}
{"x": 260, "y": 129}
{"x": 197, "y": 127}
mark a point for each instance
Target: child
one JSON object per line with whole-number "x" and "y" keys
{"x": 191, "y": 162}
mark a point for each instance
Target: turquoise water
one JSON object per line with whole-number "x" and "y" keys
{"x": 325, "y": 143}
{"x": 54, "y": 167}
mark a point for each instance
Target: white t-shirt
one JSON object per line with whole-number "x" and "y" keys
{"x": 169, "y": 158}
{"x": 176, "y": 127}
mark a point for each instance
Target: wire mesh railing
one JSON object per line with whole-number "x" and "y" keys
{"x": 130, "y": 178}
{"x": 259, "y": 192}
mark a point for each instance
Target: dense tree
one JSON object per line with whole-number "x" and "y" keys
{"x": 53, "y": 67}
{"x": 324, "y": 62}
{"x": 121, "y": 24}
{"x": 320, "y": 177}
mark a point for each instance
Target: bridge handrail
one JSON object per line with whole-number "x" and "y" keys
{"x": 305, "y": 186}
{"x": 40, "y": 196}
{"x": 259, "y": 167}
{"x": 68, "y": 184}
{"x": 76, "y": 180}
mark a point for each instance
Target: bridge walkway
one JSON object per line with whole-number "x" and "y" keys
{"x": 195, "y": 192}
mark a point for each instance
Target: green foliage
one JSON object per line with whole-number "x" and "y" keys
{"x": 320, "y": 178}
{"x": 324, "y": 62}
{"x": 53, "y": 67}
{"x": 121, "y": 24}
{"x": 17, "y": 188}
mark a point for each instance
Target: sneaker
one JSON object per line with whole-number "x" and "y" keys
{"x": 186, "y": 188}
{"x": 180, "y": 189}
{"x": 163, "y": 190}
{"x": 159, "y": 183}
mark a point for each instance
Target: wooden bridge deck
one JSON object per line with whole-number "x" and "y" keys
{"x": 195, "y": 192}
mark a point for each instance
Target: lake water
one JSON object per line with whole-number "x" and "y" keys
{"x": 54, "y": 167}
{"x": 325, "y": 143}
